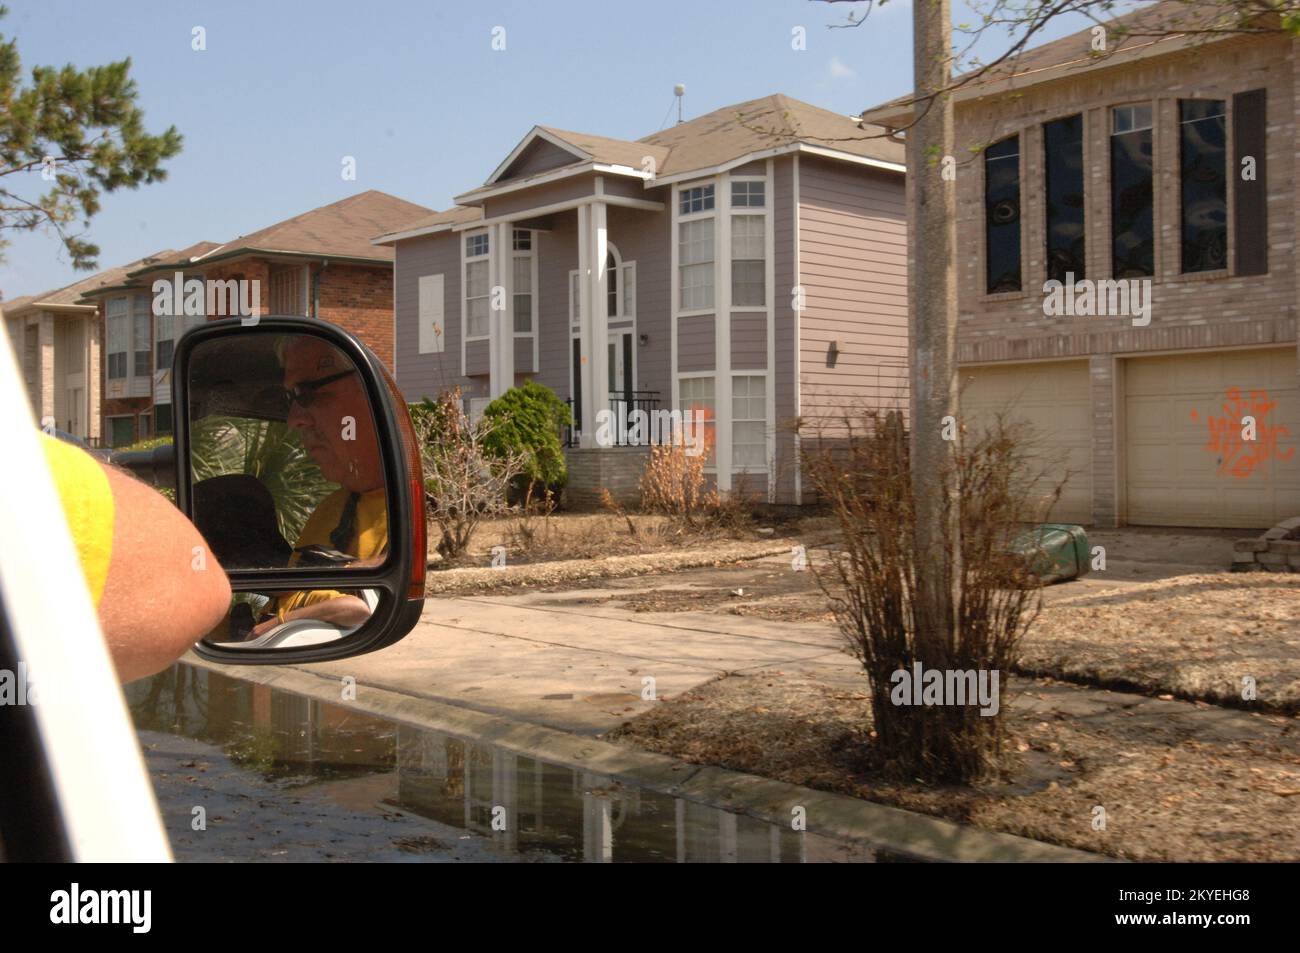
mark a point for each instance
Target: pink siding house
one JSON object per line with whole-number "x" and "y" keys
{"x": 750, "y": 263}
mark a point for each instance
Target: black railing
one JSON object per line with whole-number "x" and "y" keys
{"x": 633, "y": 421}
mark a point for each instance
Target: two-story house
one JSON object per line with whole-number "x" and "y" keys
{"x": 1128, "y": 286}
{"x": 748, "y": 264}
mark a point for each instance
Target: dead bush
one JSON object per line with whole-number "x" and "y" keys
{"x": 862, "y": 474}
{"x": 463, "y": 483}
{"x": 674, "y": 484}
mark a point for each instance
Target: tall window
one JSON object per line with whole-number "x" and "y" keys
{"x": 749, "y": 422}
{"x": 748, "y": 245}
{"x": 696, "y": 394}
{"x": 522, "y": 280}
{"x": 478, "y": 289}
{"x": 1202, "y": 144}
{"x": 1063, "y": 165}
{"x": 1002, "y": 215}
{"x": 695, "y": 263}
{"x": 141, "y": 319}
{"x": 117, "y": 313}
{"x": 1132, "y": 232}
{"x": 164, "y": 341}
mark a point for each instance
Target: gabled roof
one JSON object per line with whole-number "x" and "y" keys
{"x": 583, "y": 147}
{"x": 724, "y": 137}
{"x": 1154, "y": 30}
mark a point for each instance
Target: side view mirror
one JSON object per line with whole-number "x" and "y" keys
{"x": 297, "y": 461}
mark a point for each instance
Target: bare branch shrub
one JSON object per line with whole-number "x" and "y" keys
{"x": 861, "y": 473}
{"x": 674, "y": 483}
{"x": 463, "y": 482}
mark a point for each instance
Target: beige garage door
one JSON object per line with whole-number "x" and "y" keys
{"x": 1187, "y": 461}
{"x": 1052, "y": 400}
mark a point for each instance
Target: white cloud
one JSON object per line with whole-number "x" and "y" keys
{"x": 839, "y": 70}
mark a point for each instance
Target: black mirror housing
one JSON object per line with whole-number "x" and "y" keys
{"x": 205, "y": 381}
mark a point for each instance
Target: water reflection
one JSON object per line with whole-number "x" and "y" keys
{"x": 520, "y": 803}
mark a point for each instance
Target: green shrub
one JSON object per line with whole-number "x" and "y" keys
{"x": 527, "y": 421}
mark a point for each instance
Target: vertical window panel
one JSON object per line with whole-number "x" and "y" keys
{"x": 1203, "y": 174}
{"x": 1063, "y": 183}
{"x": 1002, "y": 215}
{"x": 1132, "y": 209}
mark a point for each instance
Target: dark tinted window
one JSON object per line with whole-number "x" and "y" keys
{"x": 1002, "y": 215}
{"x": 1063, "y": 155}
{"x": 1202, "y": 142}
{"x": 1132, "y": 236}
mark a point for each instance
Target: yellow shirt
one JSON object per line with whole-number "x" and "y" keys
{"x": 369, "y": 539}
{"x": 87, "y": 506}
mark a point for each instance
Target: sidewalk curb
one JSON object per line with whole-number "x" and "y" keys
{"x": 829, "y": 815}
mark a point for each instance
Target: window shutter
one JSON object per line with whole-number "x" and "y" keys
{"x": 573, "y": 298}
{"x": 1250, "y": 197}
{"x": 433, "y": 337}
{"x": 629, "y": 290}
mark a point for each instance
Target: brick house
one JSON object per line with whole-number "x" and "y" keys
{"x": 320, "y": 263}
{"x": 749, "y": 263}
{"x": 56, "y": 339}
{"x": 1171, "y": 160}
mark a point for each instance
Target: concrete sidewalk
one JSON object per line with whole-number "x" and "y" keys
{"x": 570, "y": 660}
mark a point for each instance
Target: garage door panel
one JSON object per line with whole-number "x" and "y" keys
{"x": 1053, "y": 402}
{"x": 1186, "y": 464}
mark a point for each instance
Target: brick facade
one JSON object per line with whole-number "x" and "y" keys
{"x": 1189, "y": 312}
{"x": 617, "y": 469}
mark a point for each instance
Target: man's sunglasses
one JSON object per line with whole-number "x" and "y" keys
{"x": 304, "y": 393}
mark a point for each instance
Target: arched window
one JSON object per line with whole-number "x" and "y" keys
{"x": 613, "y": 263}
{"x": 620, "y": 286}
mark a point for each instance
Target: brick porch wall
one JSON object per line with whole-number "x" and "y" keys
{"x": 617, "y": 469}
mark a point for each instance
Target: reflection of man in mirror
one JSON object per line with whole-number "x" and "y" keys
{"x": 329, "y": 408}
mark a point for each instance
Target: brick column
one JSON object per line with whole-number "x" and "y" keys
{"x": 1105, "y": 476}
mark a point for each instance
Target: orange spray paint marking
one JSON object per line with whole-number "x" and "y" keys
{"x": 1237, "y": 457}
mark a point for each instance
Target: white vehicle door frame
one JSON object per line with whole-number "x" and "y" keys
{"x": 74, "y": 751}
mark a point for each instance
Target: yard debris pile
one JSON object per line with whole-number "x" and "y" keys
{"x": 1193, "y": 636}
{"x": 1176, "y": 781}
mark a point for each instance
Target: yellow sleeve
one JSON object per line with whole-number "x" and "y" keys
{"x": 87, "y": 506}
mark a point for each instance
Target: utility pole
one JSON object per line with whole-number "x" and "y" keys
{"x": 932, "y": 324}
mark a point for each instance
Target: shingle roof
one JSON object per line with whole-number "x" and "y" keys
{"x": 720, "y": 136}
{"x": 341, "y": 229}
{"x": 612, "y": 151}
{"x": 453, "y": 216}
{"x": 765, "y": 123}
{"x": 72, "y": 295}
{"x": 1152, "y": 30}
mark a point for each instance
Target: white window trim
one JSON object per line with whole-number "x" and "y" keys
{"x": 680, "y": 218}
{"x": 689, "y": 375}
{"x": 531, "y": 255}
{"x": 760, "y": 213}
{"x": 465, "y": 262}
{"x": 765, "y": 420}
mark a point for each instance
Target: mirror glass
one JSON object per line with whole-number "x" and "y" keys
{"x": 293, "y": 619}
{"x": 285, "y": 464}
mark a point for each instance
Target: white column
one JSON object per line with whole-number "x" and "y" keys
{"x": 506, "y": 325}
{"x": 722, "y": 332}
{"x": 583, "y": 371}
{"x": 599, "y": 238}
{"x": 501, "y": 321}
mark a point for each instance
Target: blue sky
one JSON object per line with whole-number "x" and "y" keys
{"x": 415, "y": 92}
